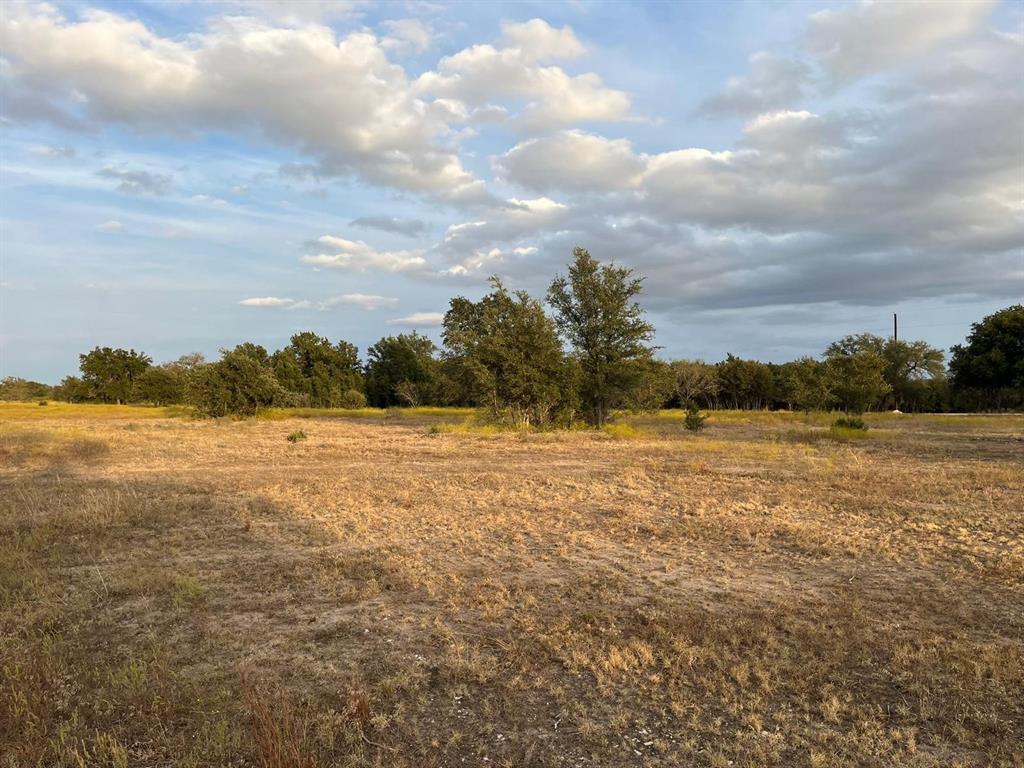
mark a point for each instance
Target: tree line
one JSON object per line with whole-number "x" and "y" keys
{"x": 591, "y": 355}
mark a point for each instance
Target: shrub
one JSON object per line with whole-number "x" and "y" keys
{"x": 850, "y": 422}
{"x": 43, "y": 402}
{"x": 352, "y": 399}
{"x": 694, "y": 420}
{"x": 294, "y": 437}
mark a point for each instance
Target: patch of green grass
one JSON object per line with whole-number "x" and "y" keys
{"x": 297, "y": 435}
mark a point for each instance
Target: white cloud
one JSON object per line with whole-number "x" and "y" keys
{"x": 110, "y": 226}
{"x": 481, "y": 260}
{"x": 275, "y": 302}
{"x": 539, "y": 41}
{"x": 215, "y": 202}
{"x": 408, "y": 35}
{"x": 860, "y": 40}
{"x": 482, "y": 74}
{"x": 365, "y": 300}
{"x": 339, "y": 101}
{"x": 572, "y": 160}
{"x": 356, "y": 255}
{"x": 419, "y": 320}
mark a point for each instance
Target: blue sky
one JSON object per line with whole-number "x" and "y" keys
{"x": 183, "y": 177}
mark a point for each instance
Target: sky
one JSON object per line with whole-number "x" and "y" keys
{"x": 180, "y": 177}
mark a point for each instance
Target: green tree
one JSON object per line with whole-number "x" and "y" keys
{"x": 989, "y": 369}
{"x": 696, "y": 381}
{"x": 655, "y": 386}
{"x": 14, "y": 388}
{"x": 317, "y": 371}
{"x": 597, "y": 314}
{"x": 110, "y": 374}
{"x": 401, "y": 370}
{"x": 240, "y": 383}
{"x": 804, "y": 385}
{"x": 160, "y": 385}
{"x": 507, "y": 354}
{"x": 72, "y": 390}
{"x": 855, "y": 377}
{"x": 908, "y": 366}
{"x": 744, "y": 383}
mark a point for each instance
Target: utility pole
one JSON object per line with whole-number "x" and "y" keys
{"x": 895, "y": 336}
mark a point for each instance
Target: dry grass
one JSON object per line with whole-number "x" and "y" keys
{"x": 180, "y": 592}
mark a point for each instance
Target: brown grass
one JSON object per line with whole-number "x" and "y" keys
{"x": 180, "y": 592}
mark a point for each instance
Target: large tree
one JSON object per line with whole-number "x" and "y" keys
{"x": 695, "y": 381}
{"x": 401, "y": 370}
{"x": 110, "y": 374}
{"x": 319, "y": 372}
{"x": 507, "y": 354}
{"x": 804, "y": 385}
{"x": 909, "y": 366}
{"x": 240, "y": 383}
{"x": 597, "y": 314}
{"x": 991, "y": 363}
{"x": 856, "y": 378}
{"x": 744, "y": 383}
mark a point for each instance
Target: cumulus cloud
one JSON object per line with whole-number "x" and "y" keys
{"x": 357, "y": 256}
{"x": 137, "y": 182}
{"x": 274, "y": 302}
{"x": 419, "y": 320}
{"x": 409, "y": 227}
{"x": 367, "y": 301}
{"x": 871, "y": 36}
{"x": 483, "y": 74}
{"x": 772, "y": 82}
{"x": 341, "y": 101}
{"x": 572, "y": 160}
{"x": 481, "y": 260}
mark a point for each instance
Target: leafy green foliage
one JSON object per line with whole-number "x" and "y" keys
{"x": 596, "y": 312}
{"x": 240, "y": 383}
{"x": 110, "y": 374}
{"x": 402, "y": 370}
{"x": 13, "y": 388}
{"x": 850, "y": 422}
{"x": 694, "y": 420}
{"x": 989, "y": 368}
{"x": 855, "y": 376}
{"x": 744, "y": 383}
{"x": 506, "y": 352}
{"x": 318, "y": 372}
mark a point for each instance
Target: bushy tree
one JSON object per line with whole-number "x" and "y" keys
{"x": 507, "y": 353}
{"x": 695, "y": 381}
{"x": 988, "y": 370}
{"x": 855, "y": 378}
{"x": 110, "y": 374}
{"x": 804, "y": 385}
{"x": 908, "y": 365}
{"x": 596, "y": 312}
{"x": 318, "y": 372}
{"x": 655, "y": 386}
{"x": 744, "y": 383}
{"x": 72, "y": 390}
{"x": 401, "y": 370}
{"x": 240, "y": 383}
{"x": 14, "y": 388}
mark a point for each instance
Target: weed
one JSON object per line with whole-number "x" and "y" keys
{"x": 297, "y": 435}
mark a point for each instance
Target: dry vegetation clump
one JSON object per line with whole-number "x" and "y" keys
{"x": 759, "y": 594}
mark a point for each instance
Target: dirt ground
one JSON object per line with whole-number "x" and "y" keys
{"x": 390, "y": 592}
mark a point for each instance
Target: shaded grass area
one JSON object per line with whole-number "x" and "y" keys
{"x": 210, "y": 594}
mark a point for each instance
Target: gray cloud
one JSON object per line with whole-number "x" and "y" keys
{"x": 772, "y": 83}
{"x": 136, "y": 182}
{"x": 408, "y": 227}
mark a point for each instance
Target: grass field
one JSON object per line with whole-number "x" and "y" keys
{"x": 407, "y": 589}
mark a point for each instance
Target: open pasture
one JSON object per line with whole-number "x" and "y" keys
{"x": 404, "y": 588}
